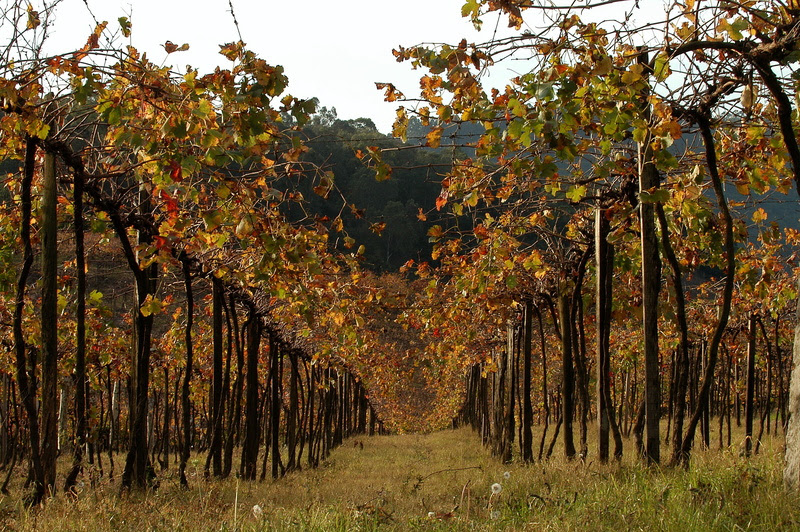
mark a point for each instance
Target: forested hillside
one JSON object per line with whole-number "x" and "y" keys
{"x": 388, "y": 217}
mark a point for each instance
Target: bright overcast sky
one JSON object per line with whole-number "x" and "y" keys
{"x": 335, "y": 51}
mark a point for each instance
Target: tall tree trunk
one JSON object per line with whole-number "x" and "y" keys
{"x": 681, "y": 370}
{"x": 791, "y": 471}
{"x": 638, "y": 429}
{"x": 727, "y": 292}
{"x": 291, "y": 420}
{"x": 252, "y": 431}
{"x": 579, "y": 351}
{"x": 5, "y": 419}
{"x": 605, "y": 263}
{"x": 767, "y": 395}
{"x": 507, "y": 412}
{"x": 567, "y": 374}
{"x": 165, "y": 444}
{"x": 312, "y": 427}
{"x": 527, "y": 407}
{"x": 545, "y": 392}
{"x": 498, "y": 399}
{"x": 113, "y": 416}
{"x": 651, "y": 284}
{"x": 49, "y": 398}
{"x": 235, "y": 406}
{"x": 649, "y": 180}
{"x": 138, "y": 470}
{"x": 275, "y": 403}
{"x": 186, "y": 404}
{"x": 782, "y": 391}
{"x": 217, "y": 396}
{"x": 751, "y": 378}
{"x": 26, "y": 378}
{"x": 80, "y": 335}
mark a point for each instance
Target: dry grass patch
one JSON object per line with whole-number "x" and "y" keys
{"x": 444, "y": 481}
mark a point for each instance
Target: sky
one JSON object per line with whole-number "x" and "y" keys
{"x": 332, "y": 50}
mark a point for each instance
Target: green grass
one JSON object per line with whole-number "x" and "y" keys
{"x": 442, "y": 481}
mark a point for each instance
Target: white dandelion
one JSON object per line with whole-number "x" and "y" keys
{"x": 257, "y": 511}
{"x": 496, "y": 488}
{"x": 507, "y": 475}
{"x": 494, "y": 515}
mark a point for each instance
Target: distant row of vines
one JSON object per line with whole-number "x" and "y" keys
{"x": 529, "y": 386}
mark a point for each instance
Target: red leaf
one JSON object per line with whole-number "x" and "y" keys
{"x": 161, "y": 242}
{"x": 177, "y": 173}
{"x": 171, "y": 203}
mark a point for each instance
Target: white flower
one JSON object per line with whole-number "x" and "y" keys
{"x": 507, "y": 475}
{"x": 257, "y": 511}
{"x": 431, "y": 514}
{"x": 496, "y": 488}
{"x": 495, "y": 514}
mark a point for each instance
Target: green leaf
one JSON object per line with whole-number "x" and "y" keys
{"x": 151, "y": 305}
{"x": 576, "y": 193}
{"x": 545, "y": 92}
{"x": 514, "y": 129}
{"x": 739, "y": 25}
{"x": 640, "y": 134}
{"x": 517, "y": 108}
{"x": 661, "y": 68}
{"x": 125, "y": 26}
{"x": 62, "y": 303}
{"x": 212, "y": 219}
{"x": 95, "y": 298}
{"x": 42, "y": 131}
{"x": 659, "y": 195}
{"x": 204, "y": 109}
{"x": 180, "y": 130}
{"x": 470, "y": 8}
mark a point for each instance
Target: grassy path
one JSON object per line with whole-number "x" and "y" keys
{"x": 443, "y": 481}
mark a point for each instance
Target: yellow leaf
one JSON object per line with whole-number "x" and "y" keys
{"x": 633, "y": 74}
{"x": 434, "y": 137}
